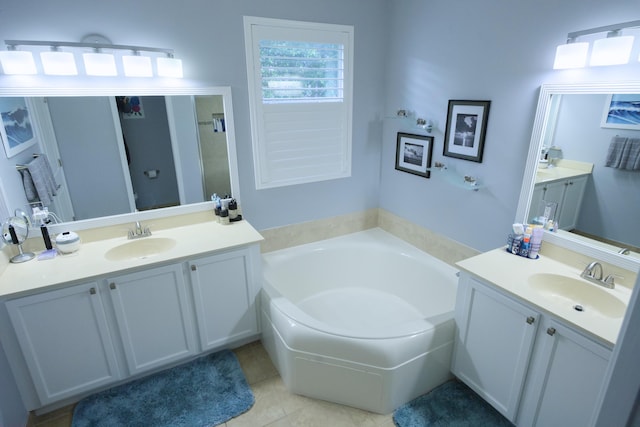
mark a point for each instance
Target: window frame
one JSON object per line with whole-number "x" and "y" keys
{"x": 267, "y": 176}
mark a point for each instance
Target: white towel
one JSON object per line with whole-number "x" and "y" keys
{"x": 624, "y": 153}
{"x": 42, "y": 178}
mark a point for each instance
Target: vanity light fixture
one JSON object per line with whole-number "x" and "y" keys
{"x": 58, "y": 63}
{"x": 136, "y": 65}
{"x": 99, "y": 57}
{"x": 17, "y": 62}
{"x": 615, "y": 49}
{"x": 571, "y": 55}
{"x": 98, "y": 63}
{"x": 169, "y": 66}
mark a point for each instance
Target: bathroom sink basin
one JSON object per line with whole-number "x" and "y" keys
{"x": 142, "y": 248}
{"x": 578, "y": 294}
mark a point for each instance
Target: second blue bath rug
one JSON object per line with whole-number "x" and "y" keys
{"x": 452, "y": 404}
{"x": 205, "y": 392}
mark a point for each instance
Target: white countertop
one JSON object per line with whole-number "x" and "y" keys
{"x": 510, "y": 273}
{"x": 563, "y": 169}
{"x": 191, "y": 240}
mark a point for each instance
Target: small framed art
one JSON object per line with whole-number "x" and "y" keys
{"x": 413, "y": 154}
{"x": 622, "y": 111}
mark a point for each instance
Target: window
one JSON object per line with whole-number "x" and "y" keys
{"x": 300, "y": 94}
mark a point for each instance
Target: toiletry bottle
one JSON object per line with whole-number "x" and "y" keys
{"x": 536, "y": 242}
{"x": 45, "y": 237}
{"x": 216, "y": 206}
{"x": 224, "y": 217}
{"x": 525, "y": 245}
{"x": 233, "y": 210}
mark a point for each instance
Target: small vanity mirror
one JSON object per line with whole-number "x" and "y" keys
{"x": 14, "y": 232}
{"x": 570, "y": 146}
{"x": 115, "y": 153}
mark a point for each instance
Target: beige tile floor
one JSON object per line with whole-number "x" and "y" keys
{"x": 274, "y": 405}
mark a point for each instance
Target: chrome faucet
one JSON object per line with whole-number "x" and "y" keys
{"x": 139, "y": 231}
{"x": 624, "y": 251}
{"x": 593, "y": 273}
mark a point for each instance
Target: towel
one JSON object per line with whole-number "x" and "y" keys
{"x": 624, "y": 153}
{"x": 38, "y": 180}
{"x": 29, "y": 187}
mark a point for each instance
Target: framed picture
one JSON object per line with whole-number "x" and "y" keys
{"x": 466, "y": 129}
{"x": 622, "y": 111}
{"x": 17, "y": 132}
{"x": 413, "y": 154}
{"x": 130, "y": 107}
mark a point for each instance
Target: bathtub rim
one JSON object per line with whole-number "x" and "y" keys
{"x": 289, "y": 309}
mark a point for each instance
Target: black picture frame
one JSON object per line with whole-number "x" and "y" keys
{"x": 413, "y": 154}
{"x": 466, "y": 129}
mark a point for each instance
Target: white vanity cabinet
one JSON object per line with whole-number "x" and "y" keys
{"x": 567, "y": 193}
{"x": 65, "y": 341}
{"x": 153, "y": 317}
{"x": 224, "y": 297}
{"x": 530, "y": 366}
{"x": 493, "y": 344}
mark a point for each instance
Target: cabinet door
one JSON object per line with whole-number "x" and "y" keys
{"x": 554, "y": 192}
{"x": 536, "y": 202}
{"x": 65, "y": 341}
{"x": 566, "y": 378}
{"x": 225, "y": 305}
{"x": 153, "y": 316}
{"x": 572, "y": 201}
{"x": 493, "y": 345}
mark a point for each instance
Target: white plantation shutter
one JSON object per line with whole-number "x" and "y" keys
{"x": 300, "y": 93}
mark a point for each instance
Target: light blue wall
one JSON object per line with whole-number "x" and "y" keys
{"x": 496, "y": 50}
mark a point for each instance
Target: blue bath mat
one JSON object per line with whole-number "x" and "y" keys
{"x": 452, "y": 404}
{"x": 205, "y": 392}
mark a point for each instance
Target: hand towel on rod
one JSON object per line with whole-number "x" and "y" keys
{"x": 42, "y": 178}
{"x": 624, "y": 153}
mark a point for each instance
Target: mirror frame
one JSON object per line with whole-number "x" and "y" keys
{"x": 589, "y": 247}
{"x": 105, "y": 221}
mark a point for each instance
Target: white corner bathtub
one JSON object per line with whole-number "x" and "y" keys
{"x": 364, "y": 320}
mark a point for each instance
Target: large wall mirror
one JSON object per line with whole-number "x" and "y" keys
{"x": 115, "y": 152}
{"x": 571, "y": 130}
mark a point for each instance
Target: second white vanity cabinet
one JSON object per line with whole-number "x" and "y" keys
{"x": 153, "y": 317}
{"x": 65, "y": 341}
{"x": 223, "y": 298}
{"x": 530, "y": 366}
{"x": 566, "y": 377}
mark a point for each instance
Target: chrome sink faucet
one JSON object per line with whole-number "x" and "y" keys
{"x": 139, "y": 231}
{"x": 593, "y": 273}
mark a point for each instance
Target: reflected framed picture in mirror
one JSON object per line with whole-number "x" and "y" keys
{"x": 413, "y": 154}
{"x": 622, "y": 111}
{"x": 17, "y": 131}
{"x": 466, "y": 129}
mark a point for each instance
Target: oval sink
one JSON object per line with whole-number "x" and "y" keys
{"x": 143, "y": 248}
{"x": 570, "y": 292}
